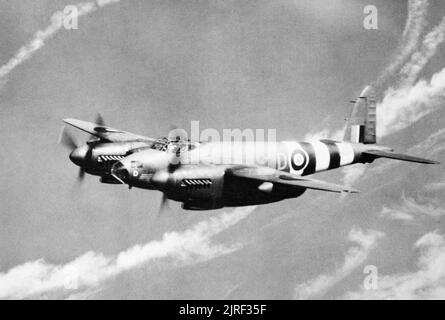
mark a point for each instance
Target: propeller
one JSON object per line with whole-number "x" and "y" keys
{"x": 81, "y": 175}
{"x": 99, "y": 120}
{"x": 164, "y": 205}
{"x": 67, "y": 140}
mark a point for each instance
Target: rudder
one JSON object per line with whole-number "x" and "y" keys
{"x": 361, "y": 125}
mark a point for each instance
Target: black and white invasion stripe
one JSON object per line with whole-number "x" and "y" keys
{"x": 309, "y": 157}
{"x": 107, "y": 158}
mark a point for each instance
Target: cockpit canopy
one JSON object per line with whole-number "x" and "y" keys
{"x": 165, "y": 144}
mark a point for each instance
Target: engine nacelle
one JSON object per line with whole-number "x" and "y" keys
{"x": 109, "y": 180}
{"x": 199, "y": 188}
{"x": 201, "y": 205}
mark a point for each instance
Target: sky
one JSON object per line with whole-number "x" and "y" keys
{"x": 286, "y": 65}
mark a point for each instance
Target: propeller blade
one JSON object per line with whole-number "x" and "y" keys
{"x": 81, "y": 175}
{"x": 117, "y": 178}
{"x": 99, "y": 120}
{"x": 164, "y": 205}
{"x": 67, "y": 140}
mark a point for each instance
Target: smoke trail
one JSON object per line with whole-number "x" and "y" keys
{"x": 414, "y": 27}
{"x": 420, "y": 58}
{"x": 41, "y": 36}
{"x": 88, "y": 271}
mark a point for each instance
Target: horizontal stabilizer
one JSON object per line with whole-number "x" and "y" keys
{"x": 398, "y": 156}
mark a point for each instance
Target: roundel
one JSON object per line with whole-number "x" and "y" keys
{"x": 298, "y": 160}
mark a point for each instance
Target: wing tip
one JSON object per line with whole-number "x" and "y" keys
{"x": 351, "y": 191}
{"x": 347, "y": 189}
{"x": 68, "y": 120}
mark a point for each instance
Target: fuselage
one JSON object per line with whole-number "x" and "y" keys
{"x": 197, "y": 177}
{"x": 300, "y": 158}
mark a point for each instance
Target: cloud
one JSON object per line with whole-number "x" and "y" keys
{"x": 396, "y": 214}
{"x": 87, "y": 272}
{"x": 431, "y": 147}
{"x": 325, "y": 133}
{"x": 435, "y": 186}
{"x": 403, "y": 106}
{"x": 427, "y": 282}
{"x": 41, "y": 36}
{"x": 420, "y": 58}
{"x": 353, "y": 173}
{"x": 434, "y": 144}
{"x": 322, "y": 131}
{"x": 232, "y": 290}
{"x": 415, "y": 24}
{"x": 411, "y": 208}
{"x": 355, "y": 256}
{"x": 406, "y": 102}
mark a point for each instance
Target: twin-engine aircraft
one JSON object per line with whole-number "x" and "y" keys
{"x": 206, "y": 176}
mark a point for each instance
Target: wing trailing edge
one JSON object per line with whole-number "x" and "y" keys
{"x": 283, "y": 178}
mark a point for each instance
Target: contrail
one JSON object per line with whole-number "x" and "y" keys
{"x": 41, "y": 36}
{"x": 87, "y": 272}
{"x": 415, "y": 24}
{"x": 420, "y": 58}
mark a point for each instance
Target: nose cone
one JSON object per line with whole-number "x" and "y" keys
{"x": 78, "y": 155}
{"x": 119, "y": 171}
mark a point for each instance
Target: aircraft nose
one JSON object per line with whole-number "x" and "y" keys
{"x": 119, "y": 171}
{"x": 78, "y": 155}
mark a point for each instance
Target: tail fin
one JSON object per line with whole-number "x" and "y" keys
{"x": 361, "y": 125}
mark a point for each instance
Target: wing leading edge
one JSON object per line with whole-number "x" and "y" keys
{"x": 104, "y": 132}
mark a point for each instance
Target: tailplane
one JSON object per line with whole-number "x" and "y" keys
{"x": 380, "y": 153}
{"x": 361, "y": 125}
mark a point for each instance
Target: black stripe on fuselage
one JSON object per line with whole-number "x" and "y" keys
{"x": 310, "y": 168}
{"x": 334, "y": 153}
